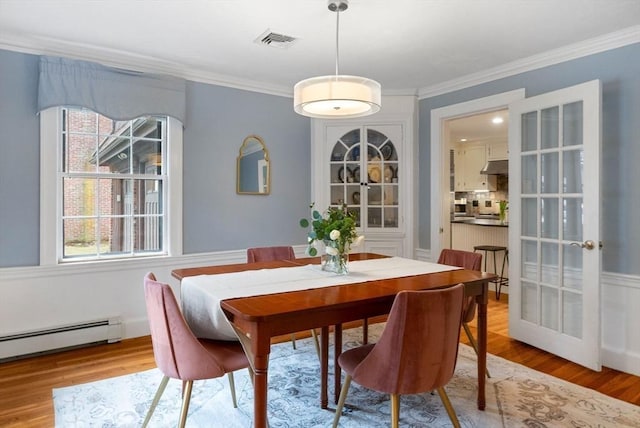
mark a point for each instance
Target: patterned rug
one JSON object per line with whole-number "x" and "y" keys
{"x": 516, "y": 397}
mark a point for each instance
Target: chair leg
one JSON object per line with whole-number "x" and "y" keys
{"x": 395, "y": 410}
{"x": 447, "y": 405}
{"x": 365, "y": 331}
{"x": 343, "y": 398}
{"x": 156, "y": 399}
{"x": 316, "y": 342}
{"x": 185, "y": 403}
{"x": 232, "y": 387}
{"x": 474, "y": 344}
{"x": 293, "y": 340}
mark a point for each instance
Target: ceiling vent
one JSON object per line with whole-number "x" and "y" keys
{"x": 276, "y": 40}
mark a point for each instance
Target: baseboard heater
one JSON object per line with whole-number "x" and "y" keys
{"x": 61, "y": 337}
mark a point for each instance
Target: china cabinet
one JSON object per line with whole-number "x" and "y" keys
{"x": 367, "y": 165}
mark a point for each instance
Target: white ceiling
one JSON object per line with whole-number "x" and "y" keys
{"x": 409, "y": 46}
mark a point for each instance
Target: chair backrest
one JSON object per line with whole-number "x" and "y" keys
{"x": 467, "y": 260}
{"x": 418, "y": 348}
{"x": 177, "y": 352}
{"x": 460, "y": 258}
{"x": 267, "y": 254}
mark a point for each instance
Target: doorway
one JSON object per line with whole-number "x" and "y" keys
{"x": 440, "y": 159}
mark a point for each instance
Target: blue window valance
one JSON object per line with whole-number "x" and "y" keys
{"x": 115, "y": 93}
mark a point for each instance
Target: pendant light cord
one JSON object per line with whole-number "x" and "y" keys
{"x": 337, "y": 37}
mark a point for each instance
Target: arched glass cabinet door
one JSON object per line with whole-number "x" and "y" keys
{"x": 364, "y": 176}
{"x": 253, "y": 169}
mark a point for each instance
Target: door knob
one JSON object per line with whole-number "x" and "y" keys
{"x": 589, "y": 245}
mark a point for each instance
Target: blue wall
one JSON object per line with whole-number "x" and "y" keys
{"x": 619, "y": 72}
{"x": 219, "y": 118}
{"x": 215, "y": 217}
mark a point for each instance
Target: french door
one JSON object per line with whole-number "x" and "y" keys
{"x": 554, "y": 236}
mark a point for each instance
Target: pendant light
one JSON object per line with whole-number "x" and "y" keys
{"x": 337, "y": 96}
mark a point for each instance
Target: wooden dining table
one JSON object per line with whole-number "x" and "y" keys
{"x": 258, "y": 319}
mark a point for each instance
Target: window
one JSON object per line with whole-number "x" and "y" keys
{"x": 110, "y": 182}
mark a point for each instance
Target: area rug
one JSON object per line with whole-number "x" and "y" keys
{"x": 516, "y": 397}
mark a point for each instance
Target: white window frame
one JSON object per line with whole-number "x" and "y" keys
{"x": 51, "y": 191}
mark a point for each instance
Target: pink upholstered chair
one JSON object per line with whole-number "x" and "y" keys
{"x": 471, "y": 261}
{"x": 416, "y": 353}
{"x": 179, "y": 354}
{"x": 266, "y": 254}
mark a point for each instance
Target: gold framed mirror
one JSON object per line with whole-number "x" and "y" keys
{"x": 253, "y": 168}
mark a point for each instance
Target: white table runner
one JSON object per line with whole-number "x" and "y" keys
{"x": 201, "y": 295}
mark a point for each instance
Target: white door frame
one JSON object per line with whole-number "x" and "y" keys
{"x": 440, "y": 226}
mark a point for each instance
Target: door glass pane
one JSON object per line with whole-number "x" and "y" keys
{"x": 572, "y": 168}
{"x": 529, "y": 131}
{"x": 549, "y": 121}
{"x": 529, "y": 217}
{"x": 572, "y": 314}
{"x": 529, "y": 302}
{"x": 549, "y": 307}
{"x": 529, "y": 174}
{"x": 572, "y": 124}
{"x": 549, "y": 218}
{"x": 572, "y": 266}
{"x": 549, "y": 178}
{"x": 529, "y": 268}
{"x": 550, "y": 263}
{"x": 572, "y": 219}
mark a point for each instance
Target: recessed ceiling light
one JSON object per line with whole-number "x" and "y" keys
{"x": 463, "y": 139}
{"x": 497, "y": 120}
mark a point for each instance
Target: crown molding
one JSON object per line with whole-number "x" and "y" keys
{"x": 127, "y": 60}
{"x": 618, "y": 39}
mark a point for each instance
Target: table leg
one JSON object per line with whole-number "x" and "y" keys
{"x": 260, "y": 366}
{"x": 324, "y": 367}
{"x": 482, "y": 301}
{"x": 337, "y": 384}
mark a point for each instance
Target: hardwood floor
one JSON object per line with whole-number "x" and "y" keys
{"x": 25, "y": 385}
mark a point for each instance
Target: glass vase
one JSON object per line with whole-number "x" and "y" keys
{"x": 338, "y": 263}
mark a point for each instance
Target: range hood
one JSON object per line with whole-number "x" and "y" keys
{"x": 496, "y": 167}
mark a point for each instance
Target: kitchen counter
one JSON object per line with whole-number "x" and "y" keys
{"x": 480, "y": 221}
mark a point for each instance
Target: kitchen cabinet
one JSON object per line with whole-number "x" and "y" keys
{"x": 469, "y": 159}
{"x": 498, "y": 150}
{"x": 369, "y": 166}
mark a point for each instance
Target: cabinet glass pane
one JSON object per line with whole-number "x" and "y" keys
{"x": 529, "y": 217}
{"x": 572, "y": 124}
{"x": 376, "y": 138}
{"x": 549, "y": 307}
{"x": 572, "y": 167}
{"x": 390, "y": 217}
{"x": 529, "y": 174}
{"x": 529, "y": 302}
{"x": 549, "y": 123}
{"x": 356, "y": 213}
{"x": 353, "y": 195}
{"x": 374, "y": 194}
{"x": 374, "y": 217}
{"x": 529, "y": 268}
{"x": 549, "y": 173}
{"x": 572, "y": 219}
{"x": 549, "y": 218}
{"x": 337, "y": 194}
{"x": 390, "y": 192}
{"x": 572, "y": 267}
{"x": 550, "y": 263}
{"x": 529, "y": 131}
{"x": 572, "y": 314}
{"x": 374, "y": 172}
